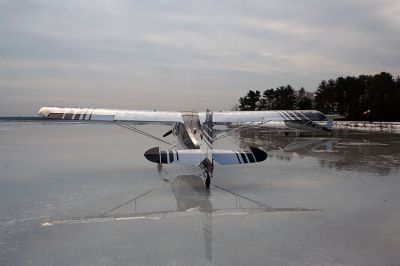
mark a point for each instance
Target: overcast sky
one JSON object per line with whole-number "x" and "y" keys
{"x": 184, "y": 55}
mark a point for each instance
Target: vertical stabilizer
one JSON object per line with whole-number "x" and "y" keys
{"x": 329, "y": 125}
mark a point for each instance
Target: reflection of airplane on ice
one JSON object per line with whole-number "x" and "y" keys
{"x": 194, "y": 131}
{"x": 326, "y": 149}
{"x": 310, "y": 125}
{"x": 312, "y": 145}
{"x": 192, "y": 199}
{"x": 321, "y": 148}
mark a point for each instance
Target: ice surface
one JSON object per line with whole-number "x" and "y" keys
{"x": 85, "y": 195}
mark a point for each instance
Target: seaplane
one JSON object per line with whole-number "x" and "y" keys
{"x": 194, "y": 131}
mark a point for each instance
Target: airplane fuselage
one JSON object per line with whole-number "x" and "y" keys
{"x": 189, "y": 132}
{"x": 192, "y": 134}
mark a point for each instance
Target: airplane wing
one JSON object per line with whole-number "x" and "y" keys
{"x": 299, "y": 119}
{"x": 110, "y": 115}
{"x": 224, "y": 118}
{"x": 162, "y": 117}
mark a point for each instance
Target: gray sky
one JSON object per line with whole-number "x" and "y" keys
{"x": 184, "y": 55}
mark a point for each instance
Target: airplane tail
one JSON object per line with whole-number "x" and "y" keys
{"x": 308, "y": 125}
{"x": 330, "y": 118}
{"x": 228, "y": 157}
{"x": 329, "y": 125}
{"x": 196, "y": 157}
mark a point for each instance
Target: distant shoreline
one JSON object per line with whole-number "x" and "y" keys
{"x": 390, "y": 127}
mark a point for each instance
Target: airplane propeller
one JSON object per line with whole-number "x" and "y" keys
{"x": 168, "y": 133}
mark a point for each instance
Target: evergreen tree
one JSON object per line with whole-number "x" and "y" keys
{"x": 304, "y": 100}
{"x": 285, "y": 98}
{"x": 269, "y": 99}
{"x": 250, "y": 102}
{"x": 367, "y": 97}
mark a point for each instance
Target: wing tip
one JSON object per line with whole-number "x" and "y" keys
{"x": 259, "y": 155}
{"x": 44, "y": 111}
{"x": 153, "y": 155}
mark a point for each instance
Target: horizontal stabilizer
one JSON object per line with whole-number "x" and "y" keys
{"x": 227, "y": 157}
{"x": 194, "y": 157}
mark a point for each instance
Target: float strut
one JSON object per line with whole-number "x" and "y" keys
{"x": 208, "y": 180}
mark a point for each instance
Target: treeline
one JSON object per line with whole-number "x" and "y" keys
{"x": 366, "y": 97}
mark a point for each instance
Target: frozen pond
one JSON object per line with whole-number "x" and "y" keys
{"x": 85, "y": 195}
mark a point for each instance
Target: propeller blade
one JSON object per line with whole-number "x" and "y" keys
{"x": 168, "y": 133}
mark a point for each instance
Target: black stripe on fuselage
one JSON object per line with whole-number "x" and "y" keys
{"x": 171, "y": 156}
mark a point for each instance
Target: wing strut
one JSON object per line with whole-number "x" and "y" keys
{"x": 230, "y": 132}
{"x": 141, "y": 132}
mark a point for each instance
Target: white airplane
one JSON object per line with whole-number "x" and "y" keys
{"x": 194, "y": 131}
